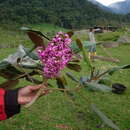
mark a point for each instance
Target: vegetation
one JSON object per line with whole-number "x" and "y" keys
{"x": 109, "y": 36}
{"x": 67, "y": 14}
{"x": 13, "y": 36}
{"x": 55, "y": 110}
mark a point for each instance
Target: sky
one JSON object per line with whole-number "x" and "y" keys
{"x": 108, "y": 2}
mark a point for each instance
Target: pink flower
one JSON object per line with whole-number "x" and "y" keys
{"x": 57, "y": 54}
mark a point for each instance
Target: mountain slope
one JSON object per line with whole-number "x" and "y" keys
{"x": 100, "y": 5}
{"x": 121, "y": 7}
{"x": 67, "y": 13}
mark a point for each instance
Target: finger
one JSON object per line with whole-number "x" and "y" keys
{"x": 45, "y": 92}
{"x": 34, "y": 88}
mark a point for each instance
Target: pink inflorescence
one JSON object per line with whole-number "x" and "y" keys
{"x": 57, "y": 54}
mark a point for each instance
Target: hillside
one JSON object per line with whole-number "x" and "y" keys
{"x": 100, "y": 5}
{"x": 121, "y": 7}
{"x": 68, "y": 13}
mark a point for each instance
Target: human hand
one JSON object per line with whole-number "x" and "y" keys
{"x": 26, "y": 94}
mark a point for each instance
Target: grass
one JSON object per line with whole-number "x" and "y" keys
{"x": 47, "y": 28}
{"x": 12, "y": 37}
{"x": 55, "y": 109}
{"x": 109, "y": 36}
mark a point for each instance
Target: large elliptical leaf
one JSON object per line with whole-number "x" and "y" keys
{"x": 39, "y": 33}
{"x": 13, "y": 58}
{"x": 36, "y": 39}
{"x": 104, "y": 118}
{"x": 4, "y": 64}
{"x": 29, "y": 64}
{"x": 105, "y": 81}
{"x": 74, "y": 67}
{"x": 21, "y": 58}
{"x": 9, "y": 84}
{"x": 96, "y": 87}
{"x": 11, "y": 67}
{"x": 84, "y": 79}
{"x": 8, "y": 71}
{"x": 31, "y": 54}
{"x": 79, "y": 44}
{"x": 33, "y": 80}
{"x": 62, "y": 84}
{"x": 72, "y": 77}
{"x": 111, "y": 71}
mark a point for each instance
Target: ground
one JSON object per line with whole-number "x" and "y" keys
{"x": 56, "y": 110}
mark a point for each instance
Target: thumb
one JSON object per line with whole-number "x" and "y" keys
{"x": 23, "y": 101}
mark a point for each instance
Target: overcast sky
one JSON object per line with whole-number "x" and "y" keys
{"x": 108, "y": 2}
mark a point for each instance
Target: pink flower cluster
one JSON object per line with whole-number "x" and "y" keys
{"x": 56, "y": 55}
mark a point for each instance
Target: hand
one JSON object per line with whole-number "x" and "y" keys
{"x": 26, "y": 94}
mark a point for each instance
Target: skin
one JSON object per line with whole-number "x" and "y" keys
{"x": 26, "y": 94}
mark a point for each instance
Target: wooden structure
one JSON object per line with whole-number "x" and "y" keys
{"x": 101, "y": 29}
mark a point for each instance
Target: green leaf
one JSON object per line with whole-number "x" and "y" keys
{"x": 75, "y": 60}
{"x": 84, "y": 79}
{"x": 74, "y": 67}
{"x": 105, "y": 81}
{"x": 79, "y": 44}
{"x": 61, "y": 82}
{"x": 13, "y": 58}
{"x": 23, "y": 58}
{"x": 72, "y": 77}
{"x": 27, "y": 66}
{"x": 28, "y": 63}
{"x": 104, "y": 118}
{"x": 97, "y": 87}
{"x": 33, "y": 80}
{"x": 9, "y": 84}
{"x": 12, "y": 66}
{"x": 4, "y": 65}
{"x": 9, "y": 72}
{"x": 126, "y": 67}
{"x": 114, "y": 69}
{"x": 31, "y": 54}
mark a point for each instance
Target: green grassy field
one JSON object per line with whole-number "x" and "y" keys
{"x": 55, "y": 109}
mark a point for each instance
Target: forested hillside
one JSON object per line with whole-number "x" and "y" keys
{"x": 122, "y": 7}
{"x": 64, "y": 13}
